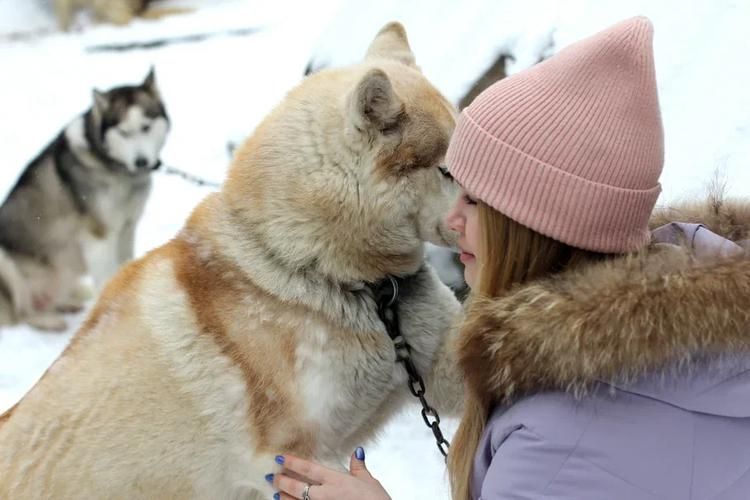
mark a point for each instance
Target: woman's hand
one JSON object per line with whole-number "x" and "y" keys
{"x": 327, "y": 484}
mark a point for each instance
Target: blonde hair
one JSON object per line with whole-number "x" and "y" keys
{"x": 510, "y": 254}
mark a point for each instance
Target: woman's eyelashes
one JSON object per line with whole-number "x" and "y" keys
{"x": 469, "y": 200}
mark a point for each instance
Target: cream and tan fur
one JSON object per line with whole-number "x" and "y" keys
{"x": 118, "y": 12}
{"x": 252, "y": 332}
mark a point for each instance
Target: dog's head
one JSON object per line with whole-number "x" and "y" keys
{"x": 346, "y": 176}
{"x": 129, "y": 125}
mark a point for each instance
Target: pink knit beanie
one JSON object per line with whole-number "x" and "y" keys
{"x": 572, "y": 147}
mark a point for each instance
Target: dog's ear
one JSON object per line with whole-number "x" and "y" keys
{"x": 101, "y": 103}
{"x": 149, "y": 84}
{"x": 391, "y": 43}
{"x": 374, "y": 104}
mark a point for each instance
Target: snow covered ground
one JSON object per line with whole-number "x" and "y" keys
{"x": 218, "y": 89}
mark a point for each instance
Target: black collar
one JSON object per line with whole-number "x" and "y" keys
{"x": 386, "y": 295}
{"x": 386, "y": 291}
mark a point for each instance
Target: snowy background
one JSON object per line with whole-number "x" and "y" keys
{"x": 218, "y": 89}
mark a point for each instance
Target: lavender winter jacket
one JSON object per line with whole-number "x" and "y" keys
{"x": 607, "y": 383}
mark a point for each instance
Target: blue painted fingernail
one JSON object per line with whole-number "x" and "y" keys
{"x": 279, "y": 460}
{"x": 276, "y": 496}
{"x": 359, "y": 453}
{"x": 269, "y": 478}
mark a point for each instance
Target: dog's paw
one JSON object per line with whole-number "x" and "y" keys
{"x": 23, "y": 302}
{"x": 82, "y": 292}
{"x": 48, "y": 322}
{"x": 69, "y": 308}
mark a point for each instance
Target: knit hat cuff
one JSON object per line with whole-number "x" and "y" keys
{"x": 565, "y": 207}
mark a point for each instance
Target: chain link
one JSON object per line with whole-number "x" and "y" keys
{"x": 189, "y": 177}
{"x": 387, "y": 300}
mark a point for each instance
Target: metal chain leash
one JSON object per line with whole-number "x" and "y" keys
{"x": 188, "y": 177}
{"x": 386, "y": 296}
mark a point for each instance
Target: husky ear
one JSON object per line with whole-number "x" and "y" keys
{"x": 101, "y": 102}
{"x": 374, "y": 104}
{"x": 100, "y": 106}
{"x": 149, "y": 84}
{"x": 391, "y": 43}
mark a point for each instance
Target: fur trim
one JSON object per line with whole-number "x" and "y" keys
{"x": 611, "y": 321}
{"x": 728, "y": 218}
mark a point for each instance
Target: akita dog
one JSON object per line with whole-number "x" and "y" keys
{"x": 255, "y": 330}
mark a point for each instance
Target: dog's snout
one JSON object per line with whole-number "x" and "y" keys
{"x": 141, "y": 162}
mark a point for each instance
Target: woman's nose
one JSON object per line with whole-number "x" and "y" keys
{"x": 454, "y": 220}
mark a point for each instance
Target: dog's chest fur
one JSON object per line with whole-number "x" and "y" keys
{"x": 319, "y": 381}
{"x": 120, "y": 200}
{"x": 305, "y": 382}
{"x": 352, "y": 384}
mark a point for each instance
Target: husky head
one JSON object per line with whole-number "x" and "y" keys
{"x": 346, "y": 177}
{"x": 127, "y": 126}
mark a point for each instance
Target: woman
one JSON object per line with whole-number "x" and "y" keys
{"x": 590, "y": 374}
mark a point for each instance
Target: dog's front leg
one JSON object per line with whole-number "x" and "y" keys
{"x": 430, "y": 315}
{"x": 102, "y": 259}
{"x": 126, "y": 242}
{"x": 444, "y": 382}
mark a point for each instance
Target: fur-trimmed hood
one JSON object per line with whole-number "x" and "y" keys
{"x": 613, "y": 322}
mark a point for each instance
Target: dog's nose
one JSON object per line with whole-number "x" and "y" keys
{"x": 141, "y": 162}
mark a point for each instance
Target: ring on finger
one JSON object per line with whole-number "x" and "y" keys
{"x": 306, "y": 492}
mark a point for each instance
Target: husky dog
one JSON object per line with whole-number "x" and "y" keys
{"x": 255, "y": 330}
{"x": 74, "y": 209}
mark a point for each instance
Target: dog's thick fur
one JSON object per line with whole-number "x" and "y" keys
{"x": 113, "y": 11}
{"x": 75, "y": 207}
{"x": 253, "y": 332}
{"x": 118, "y": 12}
{"x": 617, "y": 320}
